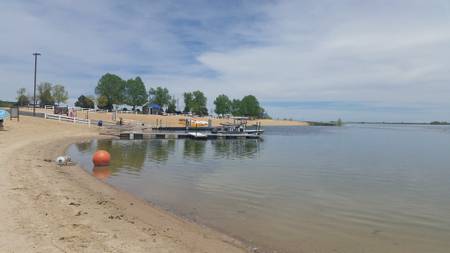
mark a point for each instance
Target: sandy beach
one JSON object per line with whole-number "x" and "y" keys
{"x": 47, "y": 208}
{"x": 169, "y": 121}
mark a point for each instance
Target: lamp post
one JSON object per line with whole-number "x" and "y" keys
{"x": 34, "y": 93}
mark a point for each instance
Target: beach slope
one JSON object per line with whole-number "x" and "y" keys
{"x": 47, "y": 208}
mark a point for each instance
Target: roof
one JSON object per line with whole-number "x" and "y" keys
{"x": 155, "y": 106}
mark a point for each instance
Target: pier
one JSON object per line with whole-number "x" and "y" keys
{"x": 178, "y": 135}
{"x": 139, "y": 132}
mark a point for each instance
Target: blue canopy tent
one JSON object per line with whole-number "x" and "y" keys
{"x": 155, "y": 108}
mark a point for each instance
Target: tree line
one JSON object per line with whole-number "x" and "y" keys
{"x": 47, "y": 94}
{"x": 113, "y": 90}
{"x": 247, "y": 106}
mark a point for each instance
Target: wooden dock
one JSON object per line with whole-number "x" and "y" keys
{"x": 139, "y": 133}
{"x": 174, "y": 135}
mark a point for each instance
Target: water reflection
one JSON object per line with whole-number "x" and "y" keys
{"x": 83, "y": 146}
{"x": 160, "y": 150}
{"x": 101, "y": 173}
{"x": 129, "y": 155}
{"x": 235, "y": 148}
{"x": 194, "y": 149}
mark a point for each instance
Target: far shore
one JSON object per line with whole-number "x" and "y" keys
{"x": 47, "y": 208}
{"x": 171, "y": 120}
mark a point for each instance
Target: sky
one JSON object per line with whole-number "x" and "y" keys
{"x": 308, "y": 60}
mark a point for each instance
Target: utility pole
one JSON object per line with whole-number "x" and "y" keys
{"x": 34, "y": 92}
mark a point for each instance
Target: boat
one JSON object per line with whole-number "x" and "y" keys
{"x": 239, "y": 126}
{"x": 198, "y": 136}
{"x": 193, "y": 122}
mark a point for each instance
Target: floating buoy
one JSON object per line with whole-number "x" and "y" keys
{"x": 101, "y": 158}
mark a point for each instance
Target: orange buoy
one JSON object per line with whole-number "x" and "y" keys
{"x": 101, "y": 158}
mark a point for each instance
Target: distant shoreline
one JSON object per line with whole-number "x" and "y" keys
{"x": 434, "y": 123}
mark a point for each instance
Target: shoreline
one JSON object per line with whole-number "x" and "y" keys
{"x": 239, "y": 242}
{"x": 50, "y": 208}
{"x": 171, "y": 120}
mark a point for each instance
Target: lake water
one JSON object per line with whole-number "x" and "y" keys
{"x": 357, "y": 188}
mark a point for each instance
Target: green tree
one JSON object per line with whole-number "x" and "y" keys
{"x": 236, "y": 107}
{"x": 45, "y": 94}
{"x": 172, "y": 107}
{"x": 102, "y": 102}
{"x": 223, "y": 105}
{"x": 110, "y": 90}
{"x": 188, "y": 101}
{"x": 159, "y": 96}
{"x": 200, "y": 100}
{"x": 249, "y": 107}
{"x": 59, "y": 94}
{"x": 22, "y": 98}
{"x": 136, "y": 94}
{"x": 195, "y": 102}
{"x": 85, "y": 102}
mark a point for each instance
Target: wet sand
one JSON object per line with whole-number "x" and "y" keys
{"x": 47, "y": 208}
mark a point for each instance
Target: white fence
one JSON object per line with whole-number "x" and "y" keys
{"x": 68, "y": 119}
{"x": 127, "y": 112}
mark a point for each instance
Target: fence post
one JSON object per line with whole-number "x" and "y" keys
{"x": 59, "y": 117}
{"x": 89, "y": 123}
{"x": 45, "y": 115}
{"x": 74, "y": 120}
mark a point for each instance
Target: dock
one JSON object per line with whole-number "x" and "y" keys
{"x": 174, "y": 135}
{"x": 139, "y": 132}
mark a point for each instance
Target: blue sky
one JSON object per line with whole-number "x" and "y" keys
{"x": 313, "y": 60}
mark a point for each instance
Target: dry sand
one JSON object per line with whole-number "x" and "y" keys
{"x": 47, "y": 208}
{"x": 172, "y": 120}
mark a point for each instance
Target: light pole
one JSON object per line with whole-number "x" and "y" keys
{"x": 34, "y": 93}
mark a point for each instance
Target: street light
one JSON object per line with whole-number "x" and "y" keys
{"x": 34, "y": 96}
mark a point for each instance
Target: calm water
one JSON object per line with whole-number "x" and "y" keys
{"x": 356, "y": 188}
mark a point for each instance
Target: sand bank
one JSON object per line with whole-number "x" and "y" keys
{"x": 47, "y": 208}
{"x": 172, "y": 121}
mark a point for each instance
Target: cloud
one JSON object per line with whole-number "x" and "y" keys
{"x": 392, "y": 55}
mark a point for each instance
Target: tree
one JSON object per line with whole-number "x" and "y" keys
{"x": 236, "y": 107}
{"x": 172, "y": 107}
{"x": 223, "y": 105}
{"x": 59, "y": 94}
{"x": 45, "y": 94}
{"x": 22, "y": 98}
{"x": 188, "y": 101}
{"x": 199, "y": 106}
{"x": 159, "y": 96}
{"x": 102, "y": 102}
{"x": 249, "y": 106}
{"x": 85, "y": 102}
{"x": 136, "y": 94}
{"x": 195, "y": 102}
{"x": 110, "y": 90}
